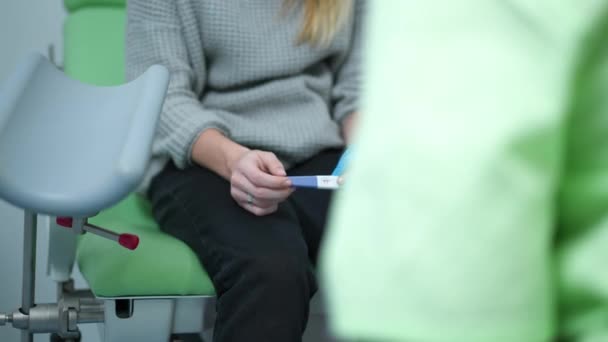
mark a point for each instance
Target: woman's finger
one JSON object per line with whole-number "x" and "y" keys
{"x": 242, "y": 182}
{"x": 262, "y": 179}
{"x": 241, "y": 196}
{"x": 272, "y": 164}
{"x": 257, "y": 210}
{"x": 254, "y": 167}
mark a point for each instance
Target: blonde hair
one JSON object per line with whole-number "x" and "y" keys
{"x": 322, "y": 19}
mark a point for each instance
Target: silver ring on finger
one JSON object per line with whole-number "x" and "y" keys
{"x": 249, "y": 199}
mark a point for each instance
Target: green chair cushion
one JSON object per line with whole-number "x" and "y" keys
{"x": 74, "y": 5}
{"x": 162, "y": 265}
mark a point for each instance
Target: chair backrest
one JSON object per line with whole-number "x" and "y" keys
{"x": 74, "y": 5}
{"x": 94, "y": 41}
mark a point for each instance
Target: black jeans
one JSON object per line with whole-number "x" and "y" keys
{"x": 261, "y": 267}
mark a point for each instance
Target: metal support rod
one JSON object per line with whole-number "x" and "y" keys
{"x": 26, "y": 336}
{"x": 91, "y": 317}
{"x": 90, "y": 310}
{"x": 129, "y": 241}
{"x": 108, "y": 234}
{"x": 29, "y": 268}
{"x": 6, "y": 319}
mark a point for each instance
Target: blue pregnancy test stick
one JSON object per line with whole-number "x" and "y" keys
{"x": 323, "y": 182}
{"x": 315, "y": 182}
{"x": 342, "y": 163}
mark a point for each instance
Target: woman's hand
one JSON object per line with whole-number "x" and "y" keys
{"x": 258, "y": 182}
{"x": 348, "y": 126}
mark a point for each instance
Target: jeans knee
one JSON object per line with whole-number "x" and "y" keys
{"x": 282, "y": 271}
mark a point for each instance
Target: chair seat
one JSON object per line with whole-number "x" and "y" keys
{"x": 160, "y": 266}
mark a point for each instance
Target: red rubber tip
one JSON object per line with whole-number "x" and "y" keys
{"x": 66, "y": 222}
{"x": 129, "y": 241}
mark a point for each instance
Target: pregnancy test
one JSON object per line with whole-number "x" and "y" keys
{"x": 315, "y": 182}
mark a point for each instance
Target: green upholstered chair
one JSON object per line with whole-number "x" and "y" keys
{"x": 160, "y": 288}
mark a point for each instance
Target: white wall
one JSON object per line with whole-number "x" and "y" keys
{"x": 28, "y": 25}
{"x": 25, "y": 26}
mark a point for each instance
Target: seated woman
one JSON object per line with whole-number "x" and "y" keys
{"x": 259, "y": 89}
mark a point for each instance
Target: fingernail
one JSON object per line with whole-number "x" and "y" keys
{"x": 287, "y": 183}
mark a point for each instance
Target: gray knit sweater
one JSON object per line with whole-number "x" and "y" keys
{"x": 235, "y": 66}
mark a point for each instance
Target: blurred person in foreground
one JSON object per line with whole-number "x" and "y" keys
{"x": 476, "y": 205}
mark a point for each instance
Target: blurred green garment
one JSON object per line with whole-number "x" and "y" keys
{"x": 476, "y": 207}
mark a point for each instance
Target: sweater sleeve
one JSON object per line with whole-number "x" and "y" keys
{"x": 155, "y": 34}
{"x": 345, "y": 93}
